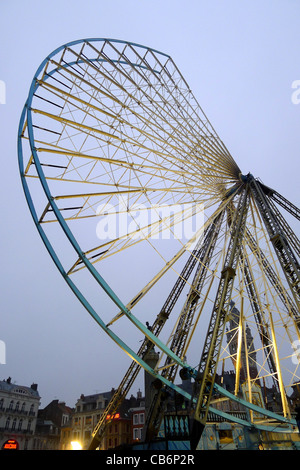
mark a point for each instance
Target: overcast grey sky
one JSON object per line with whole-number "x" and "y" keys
{"x": 240, "y": 60}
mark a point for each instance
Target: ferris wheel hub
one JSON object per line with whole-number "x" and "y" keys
{"x": 246, "y": 178}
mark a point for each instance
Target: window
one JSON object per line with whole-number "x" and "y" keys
{"x": 138, "y": 418}
{"x": 20, "y": 390}
{"x": 77, "y": 420}
{"x": 88, "y": 420}
{"x": 64, "y": 419}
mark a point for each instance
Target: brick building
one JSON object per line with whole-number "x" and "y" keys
{"x": 50, "y": 422}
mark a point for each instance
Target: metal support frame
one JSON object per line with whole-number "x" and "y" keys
{"x": 211, "y": 351}
{"x": 281, "y": 200}
{"x": 262, "y": 326}
{"x": 180, "y": 336}
{"x": 273, "y": 278}
{"x": 285, "y": 254}
{"x": 156, "y": 329}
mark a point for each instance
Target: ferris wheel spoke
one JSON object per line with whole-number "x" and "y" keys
{"x": 146, "y": 233}
{"x": 211, "y": 156}
{"x": 170, "y": 263}
{"x": 143, "y": 169}
{"x": 211, "y": 171}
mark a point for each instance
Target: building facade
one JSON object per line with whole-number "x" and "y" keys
{"x": 18, "y": 414}
{"x": 87, "y": 412}
{"x": 137, "y": 423}
{"x": 51, "y": 419}
{"x": 118, "y": 432}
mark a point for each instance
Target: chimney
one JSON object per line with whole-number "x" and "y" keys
{"x": 34, "y": 387}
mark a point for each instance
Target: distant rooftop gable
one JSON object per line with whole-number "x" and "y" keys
{"x": 7, "y": 386}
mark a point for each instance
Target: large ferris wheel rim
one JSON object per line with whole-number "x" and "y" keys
{"x": 87, "y": 40}
{"x": 26, "y": 114}
{"x": 95, "y": 39}
{"x": 82, "y": 41}
{"x": 56, "y": 211}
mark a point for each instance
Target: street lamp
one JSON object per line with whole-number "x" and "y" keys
{"x": 75, "y": 445}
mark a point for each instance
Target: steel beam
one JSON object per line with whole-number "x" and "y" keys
{"x": 211, "y": 351}
{"x": 282, "y": 247}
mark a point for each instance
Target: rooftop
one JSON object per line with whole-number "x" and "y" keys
{"x": 8, "y": 386}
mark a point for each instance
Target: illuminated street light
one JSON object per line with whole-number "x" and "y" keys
{"x": 76, "y": 445}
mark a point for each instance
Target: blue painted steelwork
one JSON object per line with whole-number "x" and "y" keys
{"x": 27, "y": 115}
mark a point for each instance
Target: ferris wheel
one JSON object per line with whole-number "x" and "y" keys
{"x": 136, "y": 197}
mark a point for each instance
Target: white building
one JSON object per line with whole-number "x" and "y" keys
{"x": 18, "y": 413}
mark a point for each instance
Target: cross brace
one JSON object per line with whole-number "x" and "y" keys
{"x": 184, "y": 324}
{"x": 134, "y": 367}
{"x": 211, "y": 351}
{"x": 284, "y": 252}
